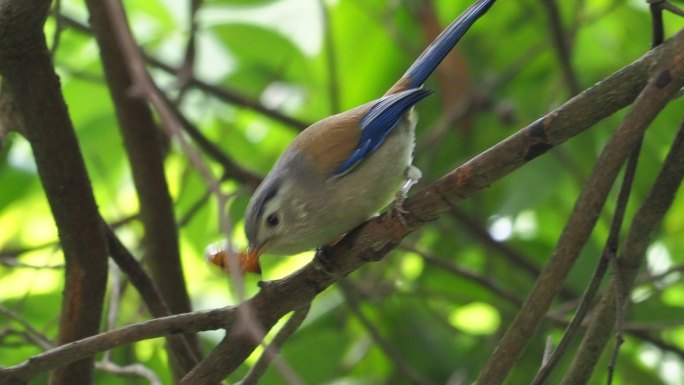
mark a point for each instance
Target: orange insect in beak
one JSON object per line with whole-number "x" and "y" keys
{"x": 247, "y": 262}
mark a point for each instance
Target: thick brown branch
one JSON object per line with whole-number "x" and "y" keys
{"x": 27, "y": 70}
{"x": 649, "y": 216}
{"x": 664, "y": 83}
{"x": 375, "y": 238}
{"x": 143, "y": 144}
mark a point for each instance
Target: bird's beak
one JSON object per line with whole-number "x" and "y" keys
{"x": 250, "y": 261}
{"x": 247, "y": 262}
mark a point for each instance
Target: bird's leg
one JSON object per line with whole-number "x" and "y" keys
{"x": 412, "y": 175}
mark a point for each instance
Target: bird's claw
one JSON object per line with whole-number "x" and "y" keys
{"x": 413, "y": 175}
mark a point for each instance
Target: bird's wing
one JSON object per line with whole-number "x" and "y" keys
{"x": 382, "y": 117}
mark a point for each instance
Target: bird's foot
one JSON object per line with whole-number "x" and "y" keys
{"x": 413, "y": 175}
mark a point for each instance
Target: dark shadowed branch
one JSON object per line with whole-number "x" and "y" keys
{"x": 561, "y": 44}
{"x": 143, "y": 143}
{"x": 27, "y": 71}
{"x": 375, "y": 238}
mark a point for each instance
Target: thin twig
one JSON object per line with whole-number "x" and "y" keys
{"x": 181, "y": 347}
{"x": 562, "y": 46}
{"x": 134, "y": 370}
{"x": 115, "y": 288}
{"x": 257, "y": 371}
{"x": 618, "y": 287}
{"x": 390, "y": 351}
{"x": 608, "y": 255}
{"x": 186, "y": 70}
{"x": 39, "y": 338}
{"x": 225, "y": 94}
{"x": 657, "y": 30}
{"x": 330, "y": 60}
{"x": 469, "y": 275}
{"x": 673, "y": 8}
{"x": 231, "y": 169}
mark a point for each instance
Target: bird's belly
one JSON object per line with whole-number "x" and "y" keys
{"x": 372, "y": 185}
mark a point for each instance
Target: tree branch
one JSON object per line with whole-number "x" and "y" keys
{"x": 661, "y": 87}
{"x": 87, "y": 347}
{"x": 269, "y": 355}
{"x": 645, "y": 221}
{"x": 227, "y": 95}
{"x": 182, "y": 348}
{"x": 372, "y": 240}
{"x": 27, "y": 70}
{"x": 375, "y": 238}
{"x": 404, "y": 368}
{"x": 143, "y": 145}
{"x": 561, "y": 44}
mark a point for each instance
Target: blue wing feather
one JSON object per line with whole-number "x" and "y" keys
{"x": 379, "y": 122}
{"x": 386, "y": 112}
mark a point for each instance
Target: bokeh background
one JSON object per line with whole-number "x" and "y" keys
{"x": 306, "y": 59}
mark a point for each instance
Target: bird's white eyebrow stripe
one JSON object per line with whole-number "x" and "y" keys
{"x": 270, "y": 192}
{"x": 252, "y": 223}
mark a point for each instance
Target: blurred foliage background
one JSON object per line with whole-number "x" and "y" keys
{"x": 308, "y": 59}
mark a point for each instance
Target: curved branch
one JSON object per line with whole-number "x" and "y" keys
{"x": 372, "y": 240}
{"x": 87, "y": 347}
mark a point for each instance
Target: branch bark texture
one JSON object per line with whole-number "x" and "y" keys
{"x": 662, "y": 86}
{"x": 646, "y": 220}
{"x": 28, "y": 72}
{"x": 143, "y": 143}
{"x": 374, "y": 239}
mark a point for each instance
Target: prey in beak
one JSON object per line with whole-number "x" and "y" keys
{"x": 247, "y": 262}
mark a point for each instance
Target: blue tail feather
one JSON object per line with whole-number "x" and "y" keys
{"x": 435, "y": 52}
{"x": 386, "y": 112}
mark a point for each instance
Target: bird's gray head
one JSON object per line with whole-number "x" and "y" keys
{"x": 263, "y": 219}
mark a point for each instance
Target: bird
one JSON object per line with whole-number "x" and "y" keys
{"x": 343, "y": 169}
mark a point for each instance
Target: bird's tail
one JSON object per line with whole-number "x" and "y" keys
{"x": 419, "y": 71}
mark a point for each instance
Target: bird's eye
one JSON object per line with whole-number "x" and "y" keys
{"x": 272, "y": 220}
